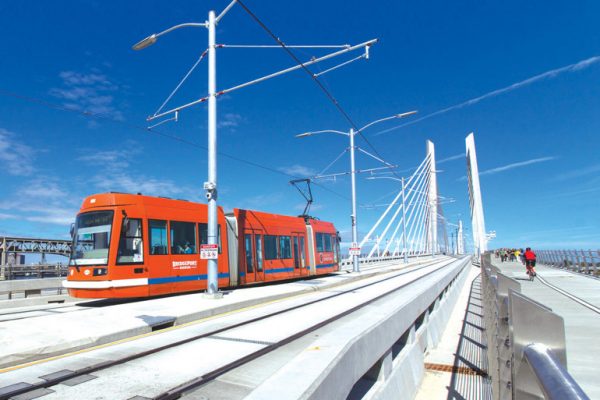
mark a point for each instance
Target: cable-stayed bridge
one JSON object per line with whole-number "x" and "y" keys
{"x": 418, "y": 319}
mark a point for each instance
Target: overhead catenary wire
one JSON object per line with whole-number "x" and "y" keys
{"x": 315, "y": 78}
{"x": 204, "y": 53}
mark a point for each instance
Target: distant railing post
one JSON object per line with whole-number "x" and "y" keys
{"x": 557, "y": 259}
{"x": 567, "y": 259}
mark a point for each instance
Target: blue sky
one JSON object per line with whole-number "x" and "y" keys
{"x": 524, "y": 77}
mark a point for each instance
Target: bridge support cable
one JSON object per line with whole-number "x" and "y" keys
{"x": 422, "y": 232}
{"x": 414, "y": 192}
{"x": 368, "y": 236}
{"x": 418, "y": 224}
{"x": 414, "y": 218}
{"x": 383, "y": 236}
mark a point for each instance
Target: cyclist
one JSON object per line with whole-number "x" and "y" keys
{"x": 530, "y": 261}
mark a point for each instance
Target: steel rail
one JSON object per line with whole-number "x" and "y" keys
{"x": 552, "y": 377}
{"x": 569, "y": 295}
{"x": 108, "y": 364}
{"x": 176, "y": 392}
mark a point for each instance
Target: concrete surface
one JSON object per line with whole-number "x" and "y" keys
{"x": 169, "y": 368}
{"x": 454, "y": 368}
{"x": 31, "y": 339}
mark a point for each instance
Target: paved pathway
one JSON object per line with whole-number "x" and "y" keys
{"x": 582, "y": 325}
{"x": 461, "y": 350}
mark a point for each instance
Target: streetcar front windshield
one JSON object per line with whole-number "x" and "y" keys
{"x": 91, "y": 238}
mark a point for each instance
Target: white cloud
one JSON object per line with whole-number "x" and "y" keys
{"x": 125, "y": 182}
{"x": 91, "y": 92}
{"x": 230, "y": 120}
{"x": 42, "y": 188}
{"x": 511, "y": 166}
{"x": 114, "y": 159}
{"x": 259, "y": 202}
{"x": 451, "y": 158}
{"x": 515, "y": 165}
{"x": 578, "y": 66}
{"x": 16, "y": 157}
{"x": 578, "y": 172}
{"x": 298, "y": 170}
{"x": 41, "y": 210}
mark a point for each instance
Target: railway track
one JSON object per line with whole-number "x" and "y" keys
{"x": 53, "y": 309}
{"x": 205, "y": 350}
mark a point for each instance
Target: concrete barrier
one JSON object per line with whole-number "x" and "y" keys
{"x": 30, "y": 286}
{"x": 377, "y": 353}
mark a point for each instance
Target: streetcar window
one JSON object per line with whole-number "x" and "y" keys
{"x": 270, "y": 247}
{"x": 131, "y": 245}
{"x": 319, "y": 240}
{"x": 203, "y": 233}
{"x": 327, "y": 240}
{"x": 158, "y": 237}
{"x": 249, "y": 264}
{"x": 183, "y": 238}
{"x": 285, "y": 247}
{"x": 91, "y": 238}
{"x": 259, "y": 256}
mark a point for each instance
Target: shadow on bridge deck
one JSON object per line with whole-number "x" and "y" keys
{"x": 469, "y": 378}
{"x": 457, "y": 368}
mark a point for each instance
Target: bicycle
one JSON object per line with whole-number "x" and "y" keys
{"x": 530, "y": 265}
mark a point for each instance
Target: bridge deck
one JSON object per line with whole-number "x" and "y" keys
{"x": 455, "y": 368}
{"x": 582, "y": 324}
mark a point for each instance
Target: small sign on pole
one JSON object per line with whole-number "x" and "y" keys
{"x": 209, "y": 251}
{"x": 354, "y": 249}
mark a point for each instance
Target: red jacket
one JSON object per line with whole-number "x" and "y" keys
{"x": 529, "y": 255}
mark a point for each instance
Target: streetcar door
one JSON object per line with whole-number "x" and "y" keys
{"x": 296, "y": 256}
{"x": 258, "y": 257}
{"x": 300, "y": 267}
{"x": 249, "y": 257}
{"x": 253, "y": 254}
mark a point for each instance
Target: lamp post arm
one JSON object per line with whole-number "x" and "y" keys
{"x": 324, "y": 131}
{"x": 402, "y": 115}
{"x": 185, "y": 25}
{"x": 376, "y": 122}
{"x": 225, "y": 11}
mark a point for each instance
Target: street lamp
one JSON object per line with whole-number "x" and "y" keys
{"x": 351, "y": 134}
{"x": 211, "y": 185}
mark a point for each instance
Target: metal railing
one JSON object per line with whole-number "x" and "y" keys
{"x": 525, "y": 342}
{"x": 31, "y": 271}
{"x": 582, "y": 261}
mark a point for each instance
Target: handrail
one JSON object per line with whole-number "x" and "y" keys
{"x": 525, "y": 361}
{"x": 552, "y": 377}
